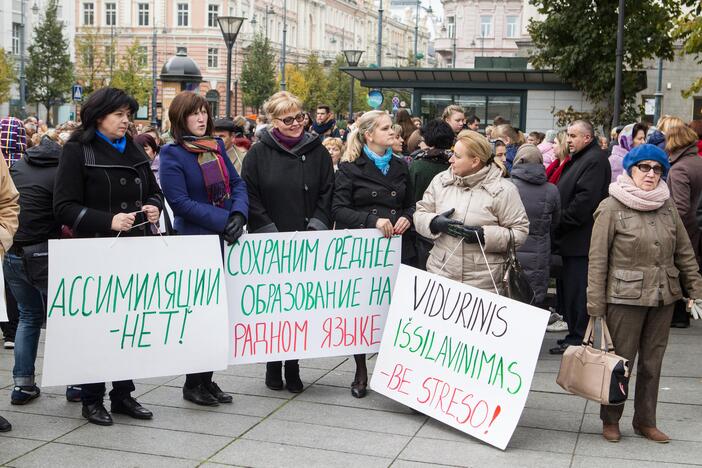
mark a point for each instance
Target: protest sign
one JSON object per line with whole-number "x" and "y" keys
{"x": 459, "y": 354}
{"x": 134, "y": 308}
{"x": 308, "y": 294}
{"x": 3, "y": 304}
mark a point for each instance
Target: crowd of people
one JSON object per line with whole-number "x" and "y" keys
{"x": 615, "y": 226}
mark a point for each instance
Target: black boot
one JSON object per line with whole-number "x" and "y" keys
{"x": 274, "y": 377}
{"x": 97, "y": 414}
{"x": 292, "y": 377}
{"x": 360, "y": 381}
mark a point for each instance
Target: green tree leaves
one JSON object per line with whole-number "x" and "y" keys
{"x": 7, "y": 75}
{"x": 258, "y": 73}
{"x": 130, "y": 76}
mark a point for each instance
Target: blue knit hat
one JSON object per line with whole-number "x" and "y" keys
{"x": 646, "y": 152}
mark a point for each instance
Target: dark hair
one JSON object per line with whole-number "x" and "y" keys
{"x": 183, "y": 105}
{"x": 438, "y": 134}
{"x": 538, "y": 136}
{"x": 639, "y": 127}
{"x": 325, "y": 107}
{"x": 472, "y": 119}
{"x": 499, "y": 120}
{"x": 100, "y": 104}
{"x": 145, "y": 139}
{"x": 404, "y": 120}
{"x": 696, "y": 125}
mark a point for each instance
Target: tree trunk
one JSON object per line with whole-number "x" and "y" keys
{"x": 48, "y": 114}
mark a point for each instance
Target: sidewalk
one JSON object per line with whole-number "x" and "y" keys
{"x": 325, "y": 426}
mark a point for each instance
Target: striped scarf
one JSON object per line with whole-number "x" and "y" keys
{"x": 214, "y": 171}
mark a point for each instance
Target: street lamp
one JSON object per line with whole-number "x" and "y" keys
{"x": 230, "y": 26}
{"x": 416, "y": 27}
{"x": 379, "y": 53}
{"x": 283, "y": 45}
{"x": 352, "y": 59}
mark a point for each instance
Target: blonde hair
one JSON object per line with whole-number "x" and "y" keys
{"x": 480, "y": 147}
{"x": 505, "y": 130}
{"x": 281, "y": 103}
{"x": 678, "y": 137}
{"x": 488, "y": 131}
{"x": 668, "y": 122}
{"x": 397, "y": 128}
{"x": 336, "y": 142}
{"x": 562, "y": 139}
{"x": 450, "y": 110}
{"x": 365, "y": 124}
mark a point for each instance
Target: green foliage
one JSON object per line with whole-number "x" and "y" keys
{"x": 577, "y": 39}
{"x": 316, "y": 79}
{"x": 689, "y": 30}
{"x": 258, "y": 73}
{"x": 7, "y": 75}
{"x": 91, "y": 63}
{"x": 130, "y": 76}
{"x": 339, "y": 90}
{"x": 49, "y": 70}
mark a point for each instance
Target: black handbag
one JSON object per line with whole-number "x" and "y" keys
{"x": 36, "y": 264}
{"x": 515, "y": 282}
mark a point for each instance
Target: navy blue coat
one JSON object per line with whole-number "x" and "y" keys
{"x": 184, "y": 187}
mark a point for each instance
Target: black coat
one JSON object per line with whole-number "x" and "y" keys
{"x": 34, "y": 176}
{"x": 583, "y": 185}
{"x": 289, "y": 190}
{"x": 362, "y": 194}
{"x": 90, "y": 189}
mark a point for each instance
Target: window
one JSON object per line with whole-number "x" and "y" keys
{"x": 88, "y": 14}
{"x": 486, "y": 26}
{"x": 212, "y": 57}
{"x": 183, "y": 15}
{"x": 143, "y": 14}
{"x": 16, "y": 32}
{"x": 451, "y": 26}
{"x": 512, "y": 26}
{"x": 110, "y": 14}
{"x": 142, "y": 56}
{"x": 212, "y": 13}
{"x": 212, "y": 97}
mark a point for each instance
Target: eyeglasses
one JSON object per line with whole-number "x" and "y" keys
{"x": 299, "y": 118}
{"x": 646, "y": 168}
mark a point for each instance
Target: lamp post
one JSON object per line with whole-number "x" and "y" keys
{"x": 230, "y": 26}
{"x": 283, "y": 45}
{"x": 352, "y": 59}
{"x": 416, "y": 27}
{"x": 379, "y": 53}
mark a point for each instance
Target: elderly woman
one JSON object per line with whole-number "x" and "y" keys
{"x": 290, "y": 181}
{"x": 467, "y": 208}
{"x": 639, "y": 254}
{"x": 629, "y": 138}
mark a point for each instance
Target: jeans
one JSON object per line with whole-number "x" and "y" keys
{"x": 32, "y": 310}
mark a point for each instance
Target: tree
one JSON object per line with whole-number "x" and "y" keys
{"x": 316, "y": 79}
{"x": 91, "y": 64}
{"x": 258, "y": 76}
{"x": 577, "y": 40}
{"x": 49, "y": 70}
{"x": 129, "y": 75}
{"x": 689, "y": 29}
{"x": 7, "y": 75}
{"x": 295, "y": 81}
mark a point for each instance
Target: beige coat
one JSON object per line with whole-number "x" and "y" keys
{"x": 9, "y": 208}
{"x": 639, "y": 258}
{"x": 482, "y": 199}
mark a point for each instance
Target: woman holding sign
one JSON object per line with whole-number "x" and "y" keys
{"x": 290, "y": 180}
{"x": 207, "y": 197}
{"x": 372, "y": 191}
{"x": 104, "y": 187}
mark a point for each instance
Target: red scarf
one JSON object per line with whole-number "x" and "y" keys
{"x": 554, "y": 170}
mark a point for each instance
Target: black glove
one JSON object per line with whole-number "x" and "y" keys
{"x": 234, "y": 228}
{"x": 442, "y": 222}
{"x": 470, "y": 234}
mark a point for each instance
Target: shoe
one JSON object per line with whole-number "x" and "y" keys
{"x": 680, "y": 324}
{"x": 274, "y": 377}
{"x": 97, "y": 414}
{"x": 560, "y": 349}
{"x": 9, "y": 344}
{"x": 652, "y": 433}
{"x": 611, "y": 432}
{"x": 554, "y": 318}
{"x": 22, "y": 395}
{"x": 217, "y": 392}
{"x": 5, "y": 425}
{"x": 292, "y": 377}
{"x": 557, "y": 326}
{"x": 359, "y": 389}
{"x": 130, "y": 407}
{"x": 200, "y": 396}
{"x": 73, "y": 393}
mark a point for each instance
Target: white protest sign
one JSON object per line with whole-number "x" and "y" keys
{"x": 308, "y": 294}
{"x": 3, "y": 303}
{"x": 459, "y": 354}
{"x": 133, "y": 308}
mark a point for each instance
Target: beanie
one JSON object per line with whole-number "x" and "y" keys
{"x": 646, "y": 152}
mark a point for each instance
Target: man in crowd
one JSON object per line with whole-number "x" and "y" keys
{"x": 473, "y": 123}
{"x": 325, "y": 124}
{"x": 226, "y": 130}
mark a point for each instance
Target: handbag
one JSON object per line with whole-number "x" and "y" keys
{"x": 35, "y": 258}
{"x": 515, "y": 282}
{"x": 595, "y": 374}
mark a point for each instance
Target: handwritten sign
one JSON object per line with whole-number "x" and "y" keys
{"x": 307, "y": 295}
{"x": 459, "y": 354}
{"x": 134, "y": 308}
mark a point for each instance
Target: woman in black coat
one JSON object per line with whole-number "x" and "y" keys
{"x": 290, "y": 180}
{"x": 104, "y": 187}
{"x": 372, "y": 191}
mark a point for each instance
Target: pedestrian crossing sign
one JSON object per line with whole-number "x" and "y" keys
{"x": 77, "y": 92}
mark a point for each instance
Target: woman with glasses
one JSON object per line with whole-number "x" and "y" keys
{"x": 290, "y": 180}
{"x": 640, "y": 254}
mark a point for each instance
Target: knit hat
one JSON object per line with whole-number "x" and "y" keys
{"x": 528, "y": 154}
{"x": 646, "y": 152}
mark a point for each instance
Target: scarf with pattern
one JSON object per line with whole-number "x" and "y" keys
{"x": 214, "y": 171}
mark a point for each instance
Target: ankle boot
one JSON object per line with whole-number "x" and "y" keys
{"x": 274, "y": 377}
{"x": 360, "y": 382}
{"x": 611, "y": 432}
{"x": 652, "y": 433}
{"x": 292, "y": 377}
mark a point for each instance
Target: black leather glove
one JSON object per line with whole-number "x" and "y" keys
{"x": 234, "y": 228}
{"x": 442, "y": 222}
{"x": 470, "y": 234}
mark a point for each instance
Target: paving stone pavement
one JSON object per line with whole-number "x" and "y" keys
{"x": 324, "y": 426}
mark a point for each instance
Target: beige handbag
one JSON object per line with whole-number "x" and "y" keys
{"x": 596, "y": 374}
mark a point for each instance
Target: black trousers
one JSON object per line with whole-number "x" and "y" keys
{"x": 193, "y": 380}
{"x": 94, "y": 392}
{"x": 9, "y": 328}
{"x": 574, "y": 287}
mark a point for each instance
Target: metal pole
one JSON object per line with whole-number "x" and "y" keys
{"x": 416, "y": 32}
{"x": 236, "y": 97}
{"x": 154, "y": 88}
{"x": 379, "y": 53}
{"x": 22, "y": 77}
{"x": 619, "y": 66}
{"x": 659, "y": 92}
{"x": 282, "y": 54}
{"x": 453, "y": 65}
{"x": 112, "y": 51}
{"x": 351, "y": 101}
{"x": 266, "y": 21}
{"x": 228, "y": 103}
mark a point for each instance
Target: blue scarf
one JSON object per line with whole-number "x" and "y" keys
{"x": 120, "y": 144}
{"x": 381, "y": 162}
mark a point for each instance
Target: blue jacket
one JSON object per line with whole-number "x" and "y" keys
{"x": 184, "y": 187}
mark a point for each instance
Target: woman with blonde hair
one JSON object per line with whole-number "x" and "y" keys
{"x": 290, "y": 180}
{"x": 472, "y": 214}
{"x": 561, "y": 157}
{"x": 372, "y": 191}
{"x": 336, "y": 149}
